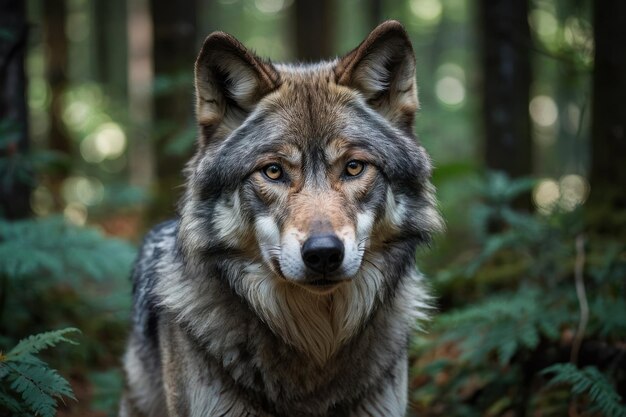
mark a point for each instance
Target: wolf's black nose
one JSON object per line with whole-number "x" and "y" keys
{"x": 323, "y": 253}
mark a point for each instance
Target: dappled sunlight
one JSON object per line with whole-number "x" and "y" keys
{"x": 544, "y": 23}
{"x": 76, "y": 213}
{"x": 450, "y": 86}
{"x": 88, "y": 191}
{"x": 546, "y": 194}
{"x": 429, "y": 11}
{"x": 270, "y": 6}
{"x": 450, "y": 91}
{"x": 543, "y": 110}
{"x": 107, "y": 142}
{"x": 574, "y": 191}
{"x": 566, "y": 194}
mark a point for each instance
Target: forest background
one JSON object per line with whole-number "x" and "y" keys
{"x": 523, "y": 109}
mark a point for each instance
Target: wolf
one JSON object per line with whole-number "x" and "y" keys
{"x": 287, "y": 284}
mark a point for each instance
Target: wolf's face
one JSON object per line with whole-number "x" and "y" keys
{"x": 310, "y": 180}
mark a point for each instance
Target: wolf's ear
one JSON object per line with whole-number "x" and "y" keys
{"x": 230, "y": 81}
{"x": 382, "y": 68}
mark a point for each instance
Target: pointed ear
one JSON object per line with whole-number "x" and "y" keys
{"x": 230, "y": 81}
{"x": 382, "y": 68}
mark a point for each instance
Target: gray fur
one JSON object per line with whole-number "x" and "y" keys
{"x": 218, "y": 330}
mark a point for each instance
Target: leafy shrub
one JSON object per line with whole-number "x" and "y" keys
{"x": 521, "y": 327}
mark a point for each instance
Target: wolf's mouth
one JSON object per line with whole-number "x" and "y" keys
{"x": 322, "y": 283}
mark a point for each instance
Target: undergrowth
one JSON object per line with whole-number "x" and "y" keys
{"x": 54, "y": 275}
{"x": 536, "y": 321}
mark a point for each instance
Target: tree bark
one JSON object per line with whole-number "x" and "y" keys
{"x": 14, "y": 190}
{"x": 314, "y": 29}
{"x": 506, "y": 86}
{"x": 608, "y": 161}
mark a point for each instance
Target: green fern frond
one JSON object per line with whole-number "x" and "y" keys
{"x": 61, "y": 251}
{"x": 11, "y": 404}
{"x": 38, "y": 386}
{"x": 503, "y": 325}
{"x": 591, "y": 382}
{"x": 24, "y": 350}
{"x": 498, "y": 187}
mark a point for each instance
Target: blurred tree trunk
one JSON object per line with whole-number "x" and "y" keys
{"x": 608, "y": 161}
{"x": 56, "y": 66}
{"x": 175, "y": 50}
{"x": 140, "y": 77}
{"x": 506, "y": 85}
{"x": 14, "y": 191}
{"x": 111, "y": 42}
{"x": 55, "y": 54}
{"x": 314, "y": 29}
{"x": 374, "y": 13}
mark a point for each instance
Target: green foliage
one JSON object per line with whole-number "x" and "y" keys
{"x": 591, "y": 382}
{"x": 517, "y": 312}
{"x": 28, "y": 386}
{"x": 107, "y": 386}
{"x": 64, "y": 274}
{"x": 60, "y": 251}
{"x": 525, "y": 312}
{"x": 18, "y": 167}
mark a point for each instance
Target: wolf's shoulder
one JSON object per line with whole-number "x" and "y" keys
{"x": 158, "y": 242}
{"x": 160, "y": 237}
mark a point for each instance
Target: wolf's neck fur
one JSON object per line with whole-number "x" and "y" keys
{"x": 316, "y": 325}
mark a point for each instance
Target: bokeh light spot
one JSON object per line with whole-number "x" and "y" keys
{"x": 546, "y": 194}
{"x": 544, "y": 23}
{"x": 76, "y": 213}
{"x": 450, "y": 91}
{"x": 110, "y": 140}
{"x": 41, "y": 201}
{"x": 427, "y": 10}
{"x": 107, "y": 142}
{"x": 85, "y": 190}
{"x": 76, "y": 113}
{"x": 574, "y": 191}
{"x": 269, "y": 6}
{"x": 543, "y": 110}
{"x": 568, "y": 193}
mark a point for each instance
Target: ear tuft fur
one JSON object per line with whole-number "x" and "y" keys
{"x": 382, "y": 68}
{"x": 230, "y": 81}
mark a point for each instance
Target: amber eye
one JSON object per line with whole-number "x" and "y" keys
{"x": 273, "y": 171}
{"x": 354, "y": 168}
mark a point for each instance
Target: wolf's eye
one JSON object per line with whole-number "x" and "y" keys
{"x": 354, "y": 168}
{"x": 273, "y": 171}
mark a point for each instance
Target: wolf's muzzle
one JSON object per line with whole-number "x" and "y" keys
{"x": 323, "y": 253}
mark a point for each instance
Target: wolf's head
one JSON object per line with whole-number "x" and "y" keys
{"x": 308, "y": 186}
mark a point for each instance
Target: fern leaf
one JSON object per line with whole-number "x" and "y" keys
{"x": 591, "y": 382}
{"x": 39, "y": 387}
{"x": 35, "y": 343}
{"x": 9, "y": 403}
